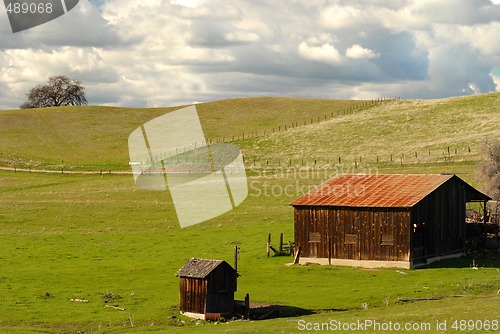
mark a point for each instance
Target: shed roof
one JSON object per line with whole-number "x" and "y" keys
{"x": 199, "y": 268}
{"x": 377, "y": 190}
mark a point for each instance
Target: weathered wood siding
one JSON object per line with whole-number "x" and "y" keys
{"x": 212, "y": 294}
{"x": 193, "y": 292}
{"x": 353, "y": 233}
{"x": 221, "y": 288}
{"x": 443, "y": 214}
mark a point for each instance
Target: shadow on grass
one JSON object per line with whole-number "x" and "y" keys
{"x": 482, "y": 259}
{"x": 263, "y": 312}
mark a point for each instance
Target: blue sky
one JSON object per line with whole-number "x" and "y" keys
{"x": 154, "y": 53}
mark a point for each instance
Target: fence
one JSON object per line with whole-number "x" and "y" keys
{"x": 296, "y": 124}
{"x": 447, "y": 155}
{"x": 444, "y": 156}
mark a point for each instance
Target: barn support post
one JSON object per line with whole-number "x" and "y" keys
{"x": 297, "y": 256}
{"x": 329, "y": 250}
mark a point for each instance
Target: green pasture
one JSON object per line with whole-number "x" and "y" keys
{"x": 80, "y": 236}
{"x": 98, "y": 238}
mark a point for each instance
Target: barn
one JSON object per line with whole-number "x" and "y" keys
{"x": 390, "y": 220}
{"x": 207, "y": 288}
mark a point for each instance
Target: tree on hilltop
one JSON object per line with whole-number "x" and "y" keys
{"x": 59, "y": 91}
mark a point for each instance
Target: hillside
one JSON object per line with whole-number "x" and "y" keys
{"x": 317, "y": 131}
{"x": 412, "y": 131}
{"x": 96, "y": 137}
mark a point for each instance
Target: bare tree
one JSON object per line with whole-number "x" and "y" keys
{"x": 489, "y": 169}
{"x": 59, "y": 91}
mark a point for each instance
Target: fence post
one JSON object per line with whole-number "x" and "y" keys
{"x": 281, "y": 242}
{"x": 268, "y": 245}
{"x": 247, "y": 306}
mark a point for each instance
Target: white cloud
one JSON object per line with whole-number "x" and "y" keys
{"x": 358, "y": 52}
{"x": 496, "y": 80}
{"x": 325, "y": 52}
{"x": 153, "y": 52}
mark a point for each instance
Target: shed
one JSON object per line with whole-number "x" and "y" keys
{"x": 207, "y": 288}
{"x": 383, "y": 220}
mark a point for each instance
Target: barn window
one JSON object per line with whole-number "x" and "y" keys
{"x": 387, "y": 239}
{"x": 351, "y": 239}
{"x": 314, "y": 237}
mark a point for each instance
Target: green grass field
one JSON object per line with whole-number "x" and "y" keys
{"x": 78, "y": 236}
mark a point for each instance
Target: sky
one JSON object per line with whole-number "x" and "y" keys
{"x": 158, "y": 53}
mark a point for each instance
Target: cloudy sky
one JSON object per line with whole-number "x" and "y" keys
{"x": 152, "y": 53}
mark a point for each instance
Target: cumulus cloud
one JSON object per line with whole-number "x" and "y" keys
{"x": 157, "y": 53}
{"x": 358, "y": 52}
{"x": 324, "y": 52}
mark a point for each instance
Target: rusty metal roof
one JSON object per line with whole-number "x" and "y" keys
{"x": 377, "y": 190}
{"x": 199, "y": 268}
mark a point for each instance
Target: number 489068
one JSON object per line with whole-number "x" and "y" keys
{"x": 475, "y": 325}
{"x": 31, "y": 8}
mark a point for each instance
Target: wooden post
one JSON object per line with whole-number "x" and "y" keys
{"x": 268, "y": 244}
{"x": 281, "y": 242}
{"x": 236, "y": 260}
{"x": 247, "y": 306}
{"x": 297, "y": 256}
{"x": 290, "y": 247}
{"x": 329, "y": 251}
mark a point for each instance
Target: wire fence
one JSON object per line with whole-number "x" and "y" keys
{"x": 445, "y": 156}
{"x": 248, "y": 135}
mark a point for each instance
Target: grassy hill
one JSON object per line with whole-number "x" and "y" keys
{"x": 81, "y": 236}
{"x": 412, "y": 131}
{"x": 96, "y": 137}
{"x": 415, "y": 131}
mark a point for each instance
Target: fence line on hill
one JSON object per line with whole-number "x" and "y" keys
{"x": 296, "y": 124}
{"x": 254, "y": 162}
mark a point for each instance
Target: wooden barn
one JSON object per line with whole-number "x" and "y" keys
{"x": 207, "y": 288}
{"x": 383, "y": 220}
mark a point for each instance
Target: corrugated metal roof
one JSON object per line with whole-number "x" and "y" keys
{"x": 377, "y": 190}
{"x": 199, "y": 268}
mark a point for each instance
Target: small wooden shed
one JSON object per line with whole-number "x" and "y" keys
{"x": 390, "y": 220}
{"x": 207, "y": 288}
